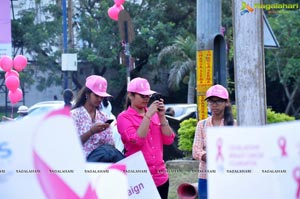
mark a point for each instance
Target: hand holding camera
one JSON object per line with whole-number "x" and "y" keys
{"x": 157, "y": 97}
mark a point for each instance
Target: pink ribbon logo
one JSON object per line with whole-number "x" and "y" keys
{"x": 219, "y": 148}
{"x": 53, "y": 186}
{"x": 282, "y": 146}
{"x": 296, "y": 175}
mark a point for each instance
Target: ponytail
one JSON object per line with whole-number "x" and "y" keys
{"x": 228, "y": 116}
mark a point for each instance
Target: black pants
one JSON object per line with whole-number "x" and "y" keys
{"x": 163, "y": 190}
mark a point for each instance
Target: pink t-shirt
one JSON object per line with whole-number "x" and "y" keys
{"x": 83, "y": 122}
{"x": 151, "y": 146}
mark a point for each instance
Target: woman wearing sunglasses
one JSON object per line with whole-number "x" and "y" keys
{"x": 217, "y": 98}
{"x": 146, "y": 129}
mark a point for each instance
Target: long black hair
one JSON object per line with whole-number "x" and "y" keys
{"x": 228, "y": 116}
{"x": 127, "y": 101}
{"x": 82, "y": 96}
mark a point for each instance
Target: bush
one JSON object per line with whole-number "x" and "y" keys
{"x": 186, "y": 134}
{"x": 187, "y": 128}
{"x": 273, "y": 117}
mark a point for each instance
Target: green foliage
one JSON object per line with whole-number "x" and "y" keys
{"x": 187, "y": 127}
{"x": 37, "y": 37}
{"x": 283, "y": 64}
{"x": 186, "y": 134}
{"x": 273, "y": 117}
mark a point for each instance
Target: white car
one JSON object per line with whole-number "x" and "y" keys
{"x": 44, "y": 107}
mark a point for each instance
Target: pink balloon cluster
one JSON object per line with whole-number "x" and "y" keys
{"x": 113, "y": 12}
{"x": 12, "y": 81}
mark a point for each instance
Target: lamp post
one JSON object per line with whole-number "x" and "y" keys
{"x": 65, "y": 39}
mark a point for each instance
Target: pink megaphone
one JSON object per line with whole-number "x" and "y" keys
{"x": 187, "y": 191}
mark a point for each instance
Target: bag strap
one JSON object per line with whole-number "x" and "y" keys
{"x": 204, "y": 122}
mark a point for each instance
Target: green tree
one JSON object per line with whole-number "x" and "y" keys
{"x": 97, "y": 41}
{"x": 283, "y": 64}
{"x": 39, "y": 40}
{"x": 156, "y": 24}
{"x": 182, "y": 60}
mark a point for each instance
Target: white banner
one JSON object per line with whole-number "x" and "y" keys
{"x": 141, "y": 184}
{"x": 139, "y": 180}
{"x": 42, "y": 157}
{"x": 254, "y": 162}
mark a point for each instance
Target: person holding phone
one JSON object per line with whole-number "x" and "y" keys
{"x": 89, "y": 120}
{"x": 146, "y": 129}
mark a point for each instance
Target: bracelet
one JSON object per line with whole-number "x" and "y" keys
{"x": 146, "y": 116}
{"x": 166, "y": 123}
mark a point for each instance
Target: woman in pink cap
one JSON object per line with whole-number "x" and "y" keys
{"x": 146, "y": 129}
{"x": 217, "y": 98}
{"x": 90, "y": 122}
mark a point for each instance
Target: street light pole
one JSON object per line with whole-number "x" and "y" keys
{"x": 65, "y": 39}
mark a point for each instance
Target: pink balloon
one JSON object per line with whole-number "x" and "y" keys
{"x": 119, "y": 2}
{"x": 113, "y": 12}
{"x": 20, "y": 62}
{"x": 12, "y": 83}
{"x": 11, "y": 73}
{"x": 15, "y": 96}
{"x": 6, "y": 63}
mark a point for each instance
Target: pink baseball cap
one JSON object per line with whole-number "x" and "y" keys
{"x": 140, "y": 85}
{"x": 98, "y": 85}
{"x": 217, "y": 91}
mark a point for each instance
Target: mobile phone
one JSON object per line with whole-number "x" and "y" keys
{"x": 109, "y": 121}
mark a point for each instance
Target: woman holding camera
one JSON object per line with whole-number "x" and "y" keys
{"x": 146, "y": 129}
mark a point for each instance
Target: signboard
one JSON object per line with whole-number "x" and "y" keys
{"x": 69, "y": 62}
{"x": 125, "y": 27}
{"x": 136, "y": 176}
{"x": 254, "y": 162}
{"x": 204, "y": 79}
{"x": 42, "y": 157}
{"x": 5, "y": 27}
{"x": 38, "y": 163}
{"x": 270, "y": 40}
{"x": 141, "y": 184}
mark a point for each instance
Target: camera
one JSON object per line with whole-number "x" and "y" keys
{"x": 156, "y": 96}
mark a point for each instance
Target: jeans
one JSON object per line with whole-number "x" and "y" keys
{"x": 202, "y": 188}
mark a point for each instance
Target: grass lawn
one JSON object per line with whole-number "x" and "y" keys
{"x": 176, "y": 178}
